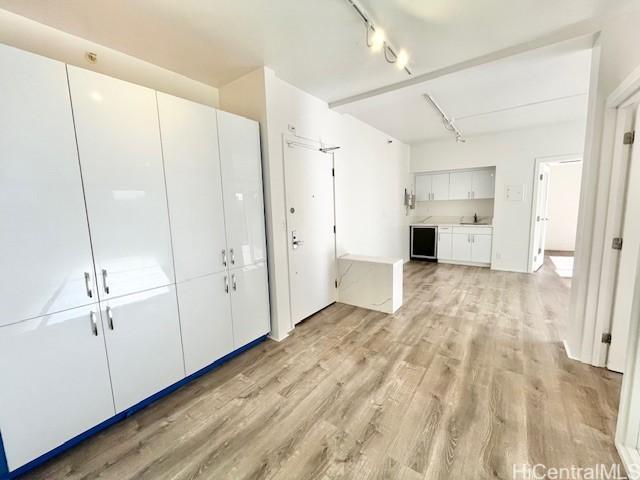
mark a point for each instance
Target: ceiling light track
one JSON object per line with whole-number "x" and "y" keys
{"x": 376, "y": 41}
{"x": 449, "y": 123}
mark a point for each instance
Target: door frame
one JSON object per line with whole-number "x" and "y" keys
{"x": 539, "y": 161}
{"x": 315, "y": 145}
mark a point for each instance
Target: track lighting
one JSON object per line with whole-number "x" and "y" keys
{"x": 377, "y": 41}
{"x": 449, "y": 123}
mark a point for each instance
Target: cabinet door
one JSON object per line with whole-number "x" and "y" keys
{"x": 461, "y": 246}
{"x": 205, "y": 318}
{"x": 483, "y": 184}
{"x": 460, "y": 185}
{"x": 242, "y": 186}
{"x": 249, "y": 303}
{"x": 143, "y": 344}
{"x": 440, "y": 186}
{"x": 481, "y": 248}
{"x": 444, "y": 246}
{"x": 121, "y": 158}
{"x": 194, "y": 189}
{"x": 55, "y": 382}
{"x": 44, "y": 238}
{"x": 423, "y": 188}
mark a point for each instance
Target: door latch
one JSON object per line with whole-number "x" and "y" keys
{"x": 616, "y": 244}
{"x": 295, "y": 243}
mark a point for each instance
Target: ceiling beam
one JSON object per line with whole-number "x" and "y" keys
{"x": 573, "y": 31}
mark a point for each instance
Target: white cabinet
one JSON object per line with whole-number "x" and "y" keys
{"x": 143, "y": 342}
{"x": 444, "y": 244}
{"x": 55, "y": 382}
{"x": 120, "y": 153}
{"x": 432, "y": 187}
{"x": 242, "y": 186}
{"x": 483, "y": 184}
{"x": 481, "y": 248}
{"x": 44, "y": 239}
{"x": 461, "y": 247}
{"x": 205, "y": 318}
{"x": 194, "y": 189}
{"x": 460, "y": 185}
{"x": 249, "y": 303}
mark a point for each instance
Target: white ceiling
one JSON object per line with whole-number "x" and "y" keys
{"x": 319, "y": 46}
{"x": 547, "y": 85}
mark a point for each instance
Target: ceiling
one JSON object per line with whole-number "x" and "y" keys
{"x": 319, "y": 46}
{"x": 542, "y": 86}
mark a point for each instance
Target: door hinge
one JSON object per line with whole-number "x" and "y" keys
{"x": 336, "y": 283}
{"x": 616, "y": 244}
{"x": 539, "y": 250}
{"x": 606, "y": 338}
{"x": 333, "y": 172}
{"x": 334, "y": 229}
{"x": 629, "y": 137}
{"x": 541, "y": 176}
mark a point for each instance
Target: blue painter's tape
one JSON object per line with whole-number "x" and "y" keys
{"x": 5, "y": 474}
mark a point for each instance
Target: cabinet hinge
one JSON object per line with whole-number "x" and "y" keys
{"x": 606, "y": 338}
{"x": 336, "y": 283}
{"x": 629, "y": 137}
{"x": 616, "y": 243}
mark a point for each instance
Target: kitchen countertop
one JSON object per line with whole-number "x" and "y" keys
{"x": 451, "y": 222}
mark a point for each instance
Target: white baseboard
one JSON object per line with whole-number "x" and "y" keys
{"x": 568, "y": 351}
{"x": 630, "y": 460}
{"x": 468, "y": 264}
{"x": 278, "y": 339}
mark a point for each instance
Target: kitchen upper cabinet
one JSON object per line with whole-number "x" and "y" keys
{"x": 483, "y": 184}
{"x": 45, "y": 250}
{"x": 242, "y": 186}
{"x": 461, "y": 247}
{"x": 432, "y": 187}
{"x": 121, "y": 157}
{"x": 55, "y": 382}
{"x": 423, "y": 188}
{"x": 143, "y": 342}
{"x": 481, "y": 248}
{"x": 205, "y": 318}
{"x": 460, "y": 185}
{"x": 194, "y": 188}
{"x": 444, "y": 246}
{"x": 249, "y": 303}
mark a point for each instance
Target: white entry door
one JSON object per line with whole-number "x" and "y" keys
{"x": 310, "y": 230}
{"x": 541, "y": 213}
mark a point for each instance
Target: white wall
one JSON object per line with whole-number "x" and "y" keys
{"x": 35, "y": 37}
{"x": 614, "y": 60}
{"x": 455, "y": 208}
{"x": 564, "y": 199}
{"x": 513, "y": 153}
{"x": 371, "y": 175}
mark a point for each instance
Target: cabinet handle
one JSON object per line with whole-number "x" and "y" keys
{"x": 87, "y": 284}
{"x": 94, "y": 324}
{"x": 224, "y": 258}
{"x": 233, "y": 281}
{"x": 473, "y": 239}
{"x": 110, "y": 317}
{"x": 233, "y": 256}
{"x": 104, "y": 281}
{"x": 226, "y": 284}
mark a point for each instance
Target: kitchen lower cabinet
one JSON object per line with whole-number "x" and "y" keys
{"x": 45, "y": 250}
{"x": 205, "y": 318}
{"x": 55, "y": 382}
{"x": 144, "y": 345}
{"x": 121, "y": 157}
{"x": 481, "y": 248}
{"x": 249, "y": 303}
{"x": 461, "y": 247}
{"x": 445, "y": 251}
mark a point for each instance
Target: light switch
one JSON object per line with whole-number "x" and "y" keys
{"x": 514, "y": 193}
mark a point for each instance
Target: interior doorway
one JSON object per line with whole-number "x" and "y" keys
{"x": 556, "y": 198}
{"x": 309, "y": 197}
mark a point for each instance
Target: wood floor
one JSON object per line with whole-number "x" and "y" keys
{"x": 468, "y": 378}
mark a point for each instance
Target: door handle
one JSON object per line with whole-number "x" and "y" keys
{"x": 226, "y": 284}
{"x": 94, "y": 324}
{"x": 87, "y": 284}
{"x": 295, "y": 243}
{"x": 109, "y": 317}
{"x": 233, "y": 282}
{"x": 224, "y": 257}
{"x": 104, "y": 281}
{"x": 233, "y": 256}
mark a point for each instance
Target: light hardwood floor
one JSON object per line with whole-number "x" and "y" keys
{"x": 468, "y": 378}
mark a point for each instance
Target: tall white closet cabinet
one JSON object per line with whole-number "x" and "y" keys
{"x": 132, "y": 247}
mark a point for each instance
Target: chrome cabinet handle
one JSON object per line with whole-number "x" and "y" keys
{"x": 233, "y": 256}
{"x": 104, "y": 281}
{"x": 226, "y": 284}
{"x": 87, "y": 284}
{"x": 224, "y": 257}
{"x": 233, "y": 281}
{"x": 94, "y": 323}
{"x": 109, "y": 317}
